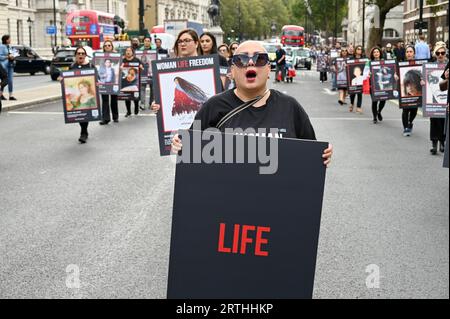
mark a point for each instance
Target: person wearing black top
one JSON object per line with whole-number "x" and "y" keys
{"x": 81, "y": 63}
{"x": 359, "y": 54}
{"x": 208, "y": 45}
{"x": 109, "y": 102}
{"x": 281, "y": 63}
{"x": 159, "y": 48}
{"x": 251, "y": 70}
{"x": 131, "y": 58}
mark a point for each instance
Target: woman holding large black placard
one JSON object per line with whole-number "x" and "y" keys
{"x": 359, "y": 54}
{"x": 412, "y": 87}
{"x": 377, "y": 107}
{"x": 341, "y": 74}
{"x": 81, "y": 63}
{"x": 437, "y": 125}
{"x": 109, "y": 100}
{"x": 131, "y": 58}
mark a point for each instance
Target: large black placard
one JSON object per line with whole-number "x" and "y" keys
{"x": 279, "y": 213}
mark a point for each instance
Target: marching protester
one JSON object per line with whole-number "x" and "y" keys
{"x": 377, "y": 107}
{"x": 208, "y": 45}
{"x": 265, "y": 109}
{"x": 389, "y": 53}
{"x": 281, "y": 64}
{"x": 339, "y": 74}
{"x": 409, "y": 114}
{"x": 225, "y": 52}
{"x": 399, "y": 52}
{"x": 109, "y": 102}
{"x": 233, "y": 47}
{"x": 135, "y": 44}
{"x": 81, "y": 62}
{"x": 7, "y": 61}
{"x": 147, "y": 44}
{"x": 359, "y": 54}
{"x": 146, "y": 47}
{"x": 186, "y": 45}
{"x": 437, "y": 125}
{"x": 130, "y": 57}
{"x": 421, "y": 49}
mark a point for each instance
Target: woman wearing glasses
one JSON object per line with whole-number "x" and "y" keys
{"x": 109, "y": 100}
{"x": 81, "y": 63}
{"x": 437, "y": 125}
{"x": 187, "y": 45}
{"x": 270, "y": 109}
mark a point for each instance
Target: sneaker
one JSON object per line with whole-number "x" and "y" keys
{"x": 375, "y": 121}
{"x": 116, "y": 121}
{"x": 12, "y": 98}
{"x": 83, "y": 138}
{"x": 128, "y": 115}
{"x": 406, "y": 132}
{"x": 104, "y": 122}
{"x": 442, "y": 147}
{"x": 3, "y": 98}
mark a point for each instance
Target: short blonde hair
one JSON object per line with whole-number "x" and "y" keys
{"x": 438, "y": 46}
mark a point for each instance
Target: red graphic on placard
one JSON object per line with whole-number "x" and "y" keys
{"x": 189, "y": 98}
{"x": 241, "y": 233}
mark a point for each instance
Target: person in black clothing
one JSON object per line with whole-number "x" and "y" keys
{"x": 400, "y": 52}
{"x": 159, "y": 48}
{"x": 131, "y": 58}
{"x": 281, "y": 64}
{"x": 250, "y": 70}
{"x": 359, "y": 54}
{"x": 377, "y": 107}
{"x": 109, "y": 100}
{"x": 208, "y": 45}
{"x": 3, "y": 83}
{"x": 81, "y": 63}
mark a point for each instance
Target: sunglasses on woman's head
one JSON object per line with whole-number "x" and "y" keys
{"x": 259, "y": 60}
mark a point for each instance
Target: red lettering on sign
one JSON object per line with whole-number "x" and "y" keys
{"x": 242, "y": 237}
{"x": 183, "y": 64}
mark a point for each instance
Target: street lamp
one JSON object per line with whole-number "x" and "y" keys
{"x": 30, "y": 24}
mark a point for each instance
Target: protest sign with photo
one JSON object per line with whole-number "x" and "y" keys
{"x": 146, "y": 57}
{"x": 341, "y": 73}
{"x": 355, "y": 75}
{"x": 225, "y": 76}
{"x": 181, "y": 86}
{"x": 322, "y": 63}
{"x": 130, "y": 81}
{"x": 226, "y": 244}
{"x": 434, "y": 100}
{"x": 410, "y": 87}
{"x": 80, "y": 96}
{"x": 383, "y": 81}
{"x": 108, "y": 70}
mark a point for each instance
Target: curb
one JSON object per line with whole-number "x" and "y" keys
{"x": 17, "y": 106}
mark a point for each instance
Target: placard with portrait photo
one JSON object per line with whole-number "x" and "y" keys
{"x": 130, "y": 81}
{"x": 80, "y": 96}
{"x": 356, "y": 75}
{"x": 341, "y": 73}
{"x": 181, "y": 87}
{"x": 434, "y": 100}
{"x": 384, "y": 84}
{"x": 108, "y": 71}
{"x": 146, "y": 57}
{"x": 410, "y": 83}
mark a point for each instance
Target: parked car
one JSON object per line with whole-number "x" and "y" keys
{"x": 272, "y": 49}
{"x": 61, "y": 62}
{"x": 28, "y": 61}
{"x": 303, "y": 59}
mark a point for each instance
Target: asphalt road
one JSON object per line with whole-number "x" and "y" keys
{"x": 105, "y": 207}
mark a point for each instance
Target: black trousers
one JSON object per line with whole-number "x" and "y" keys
{"x": 408, "y": 117}
{"x": 84, "y": 127}
{"x": 437, "y": 130}
{"x": 136, "y": 107}
{"x": 323, "y": 76}
{"x": 109, "y": 105}
{"x": 352, "y": 99}
{"x": 377, "y": 107}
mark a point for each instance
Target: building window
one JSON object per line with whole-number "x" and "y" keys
{"x": 391, "y": 33}
{"x": 9, "y": 26}
{"x": 19, "y": 32}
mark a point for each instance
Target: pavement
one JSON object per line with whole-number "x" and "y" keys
{"x": 103, "y": 210}
{"x": 32, "y": 90}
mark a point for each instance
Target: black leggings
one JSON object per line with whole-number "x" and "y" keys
{"x": 323, "y": 76}
{"x": 106, "y": 107}
{"x": 437, "y": 129}
{"x": 84, "y": 127}
{"x": 352, "y": 99}
{"x": 377, "y": 107}
{"x": 408, "y": 117}
{"x": 136, "y": 107}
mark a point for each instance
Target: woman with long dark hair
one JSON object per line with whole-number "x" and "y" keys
{"x": 377, "y": 106}
{"x": 208, "y": 45}
{"x": 358, "y": 54}
{"x": 411, "y": 86}
{"x": 130, "y": 57}
{"x": 109, "y": 102}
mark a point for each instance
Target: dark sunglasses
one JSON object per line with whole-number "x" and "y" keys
{"x": 81, "y": 53}
{"x": 440, "y": 53}
{"x": 259, "y": 60}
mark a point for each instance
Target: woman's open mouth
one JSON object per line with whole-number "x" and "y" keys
{"x": 251, "y": 75}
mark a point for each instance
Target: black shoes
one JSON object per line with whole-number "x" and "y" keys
{"x": 104, "y": 123}
{"x": 128, "y": 115}
{"x": 442, "y": 147}
{"x": 375, "y": 121}
{"x": 3, "y": 98}
{"x": 116, "y": 121}
{"x": 83, "y": 138}
{"x": 12, "y": 98}
{"x": 380, "y": 117}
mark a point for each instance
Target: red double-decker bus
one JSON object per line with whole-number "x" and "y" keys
{"x": 90, "y": 28}
{"x": 293, "y": 35}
